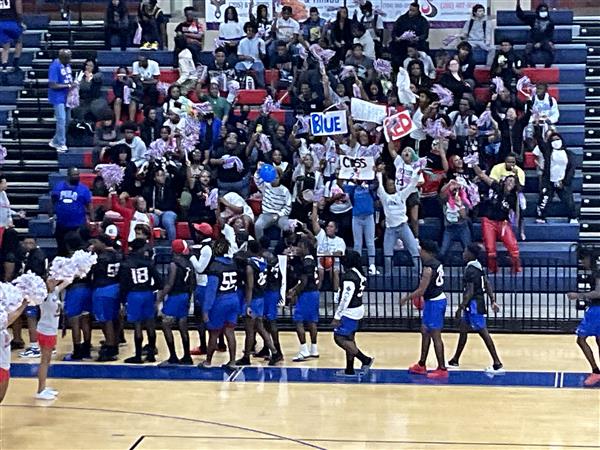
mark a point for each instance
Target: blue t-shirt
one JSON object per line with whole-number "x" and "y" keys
{"x": 70, "y": 204}
{"x": 363, "y": 203}
{"x": 61, "y": 74}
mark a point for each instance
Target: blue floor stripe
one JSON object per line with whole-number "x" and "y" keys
{"x": 298, "y": 375}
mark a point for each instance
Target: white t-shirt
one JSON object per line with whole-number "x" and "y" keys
{"x": 146, "y": 73}
{"x": 231, "y": 31}
{"x": 137, "y": 218}
{"x": 286, "y": 29}
{"x": 328, "y": 246}
{"x": 49, "y": 315}
{"x": 253, "y": 48}
{"x": 237, "y": 200}
{"x": 558, "y": 165}
{"x": 540, "y": 158}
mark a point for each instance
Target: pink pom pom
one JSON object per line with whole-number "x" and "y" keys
{"x": 112, "y": 174}
{"x": 498, "y": 84}
{"x": 322, "y": 55}
{"x": 446, "y": 97}
{"x": 383, "y": 67}
{"x": 436, "y": 129}
{"x": 485, "y": 120}
{"x": 347, "y": 72}
{"x": 408, "y": 36}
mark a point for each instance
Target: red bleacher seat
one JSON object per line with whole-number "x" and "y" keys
{"x": 169, "y": 76}
{"x": 278, "y": 115}
{"x": 100, "y": 201}
{"x": 87, "y": 178}
{"x": 251, "y": 96}
{"x": 482, "y": 94}
{"x": 550, "y": 75}
{"x": 482, "y": 75}
{"x": 529, "y": 161}
{"x": 183, "y": 230}
{"x": 284, "y": 100}
{"x": 271, "y": 75}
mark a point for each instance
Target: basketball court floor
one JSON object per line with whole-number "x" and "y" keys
{"x": 539, "y": 403}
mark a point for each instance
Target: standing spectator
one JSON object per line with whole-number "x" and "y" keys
{"x": 477, "y": 31}
{"x": 361, "y": 36}
{"x": 133, "y": 217}
{"x": 250, "y": 53}
{"x": 453, "y": 80}
{"x": 193, "y": 32}
{"x": 341, "y": 36}
{"x": 544, "y": 106}
{"x": 276, "y": 205}
{"x": 60, "y": 80}
{"x": 230, "y": 33}
{"x": 6, "y": 214}
{"x": 11, "y": 29}
{"x": 557, "y": 174}
{"x": 506, "y": 64}
{"x": 105, "y": 134}
{"x": 418, "y": 77}
{"x": 117, "y": 23}
{"x": 362, "y": 196}
{"x": 540, "y": 36}
{"x": 372, "y": 21}
{"x": 495, "y": 219}
{"x": 90, "y": 102}
{"x": 185, "y": 63}
{"x": 508, "y": 168}
{"x": 262, "y": 21}
{"x": 312, "y": 28}
{"x": 72, "y": 206}
{"x": 466, "y": 62}
{"x": 124, "y": 88}
{"x": 146, "y": 72}
{"x": 150, "y": 128}
{"x": 413, "y": 54}
{"x": 200, "y": 211}
{"x": 153, "y": 23}
{"x": 511, "y": 130}
{"x": 231, "y": 177}
{"x": 413, "y": 21}
{"x": 456, "y": 222}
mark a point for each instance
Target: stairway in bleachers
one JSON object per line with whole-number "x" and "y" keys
{"x": 590, "y": 208}
{"x": 30, "y": 122}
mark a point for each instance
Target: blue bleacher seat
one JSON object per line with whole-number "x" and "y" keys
{"x": 118, "y": 58}
{"x": 561, "y": 17}
{"x": 573, "y": 135}
{"x": 571, "y": 73}
{"x": 36, "y": 22}
{"x": 572, "y": 114}
{"x": 532, "y": 182}
{"x": 571, "y": 93}
{"x": 565, "y": 53}
{"x": 32, "y": 39}
{"x": 519, "y": 34}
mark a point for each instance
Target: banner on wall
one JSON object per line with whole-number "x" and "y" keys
{"x": 359, "y": 168}
{"x": 390, "y": 10}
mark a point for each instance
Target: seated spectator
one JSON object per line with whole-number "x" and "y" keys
{"x": 505, "y": 99}
{"x": 540, "y": 36}
{"x": 307, "y": 100}
{"x": 313, "y": 27}
{"x": 511, "y": 130}
{"x": 188, "y": 76}
{"x": 161, "y": 199}
{"x": 153, "y": 23}
{"x": 146, "y": 72}
{"x": 230, "y": 34}
{"x": 373, "y": 23}
{"x": 456, "y": 220}
{"x": 340, "y": 37}
{"x": 235, "y": 212}
{"x": 418, "y": 78}
{"x": 126, "y": 91}
{"x": 135, "y": 143}
{"x": 364, "y": 38}
{"x": 220, "y": 106}
{"x": 250, "y": 53}
{"x": 276, "y": 204}
{"x": 91, "y": 100}
{"x": 495, "y": 218}
{"x": 282, "y": 61}
{"x": 116, "y": 23}
{"x": 477, "y": 31}
{"x": 413, "y": 21}
{"x": 193, "y": 31}
{"x": 130, "y": 183}
{"x": 508, "y": 168}
{"x": 544, "y": 107}
{"x": 507, "y": 64}
{"x": 453, "y": 80}
{"x": 220, "y": 70}
{"x": 413, "y": 54}
{"x": 175, "y": 101}
{"x": 466, "y": 62}
{"x": 105, "y": 134}
{"x": 231, "y": 177}
{"x": 262, "y": 21}
{"x": 557, "y": 175}
{"x": 150, "y": 128}
{"x": 133, "y": 217}
{"x": 361, "y": 62}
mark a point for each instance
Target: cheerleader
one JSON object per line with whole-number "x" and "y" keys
{"x": 47, "y": 330}
{"x": 6, "y": 319}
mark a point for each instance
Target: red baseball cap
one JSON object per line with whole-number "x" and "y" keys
{"x": 180, "y": 246}
{"x": 203, "y": 228}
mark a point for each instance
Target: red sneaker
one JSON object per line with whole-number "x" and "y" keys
{"x": 197, "y": 351}
{"x": 438, "y": 374}
{"x": 592, "y": 379}
{"x": 416, "y": 369}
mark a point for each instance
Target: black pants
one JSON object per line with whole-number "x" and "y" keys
{"x": 546, "y": 50}
{"x": 123, "y": 34}
{"x": 60, "y": 234}
{"x": 150, "y": 95}
{"x": 565, "y": 194}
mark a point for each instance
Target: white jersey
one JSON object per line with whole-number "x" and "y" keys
{"x": 49, "y": 315}
{"x": 5, "y": 339}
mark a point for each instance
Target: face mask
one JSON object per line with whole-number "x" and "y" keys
{"x": 543, "y": 14}
{"x": 557, "y": 144}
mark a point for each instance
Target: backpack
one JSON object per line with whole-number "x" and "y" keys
{"x": 471, "y": 26}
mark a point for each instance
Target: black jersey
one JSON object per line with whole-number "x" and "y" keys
{"x": 8, "y": 10}
{"x": 138, "y": 273}
{"x": 359, "y": 282}
{"x": 227, "y": 273}
{"x": 474, "y": 275}
{"x": 184, "y": 275}
{"x": 311, "y": 272}
{"x": 436, "y": 284}
{"x": 273, "y": 273}
{"x": 106, "y": 270}
{"x": 35, "y": 261}
{"x": 260, "y": 271}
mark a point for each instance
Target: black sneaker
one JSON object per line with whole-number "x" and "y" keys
{"x": 106, "y": 357}
{"x": 17, "y": 345}
{"x": 276, "y": 358}
{"x": 172, "y": 361}
{"x": 151, "y": 358}
{"x": 264, "y": 353}
{"x": 243, "y": 361}
{"x": 220, "y": 348}
{"x": 186, "y": 361}
{"x": 134, "y": 360}
{"x": 146, "y": 349}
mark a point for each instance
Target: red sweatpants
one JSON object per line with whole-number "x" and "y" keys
{"x": 494, "y": 230}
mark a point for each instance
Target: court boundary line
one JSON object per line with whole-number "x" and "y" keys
{"x": 138, "y": 442}
{"x": 166, "y": 416}
{"x": 366, "y": 441}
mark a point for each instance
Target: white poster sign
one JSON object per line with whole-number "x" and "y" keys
{"x": 367, "y": 111}
{"x": 328, "y": 123}
{"x": 359, "y": 168}
{"x": 397, "y": 126}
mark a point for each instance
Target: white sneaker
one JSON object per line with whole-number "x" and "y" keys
{"x": 30, "y": 352}
{"x": 491, "y": 370}
{"x": 61, "y": 149}
{"x": 373, "y": 270}
{"x": 573, "y": 221}
{"x": 314, "y": 351}
{"x": 52, "y": 144}
{"x": 45, "y": 395}
{"x": 52, "y": 391}
{"x": 540, "y": 221}
{"x": 301, "y": 357}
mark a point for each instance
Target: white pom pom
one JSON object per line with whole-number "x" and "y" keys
{"x": 3, "y": 318}
{"x": 83, "y": 262}
{"x": 10, "y": 297}
{"x": 32, "y": 288}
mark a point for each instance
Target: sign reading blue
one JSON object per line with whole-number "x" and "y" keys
{"x": 328, "y": 123}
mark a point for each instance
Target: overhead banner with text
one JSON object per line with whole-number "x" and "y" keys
{"x": 390, "y": 10}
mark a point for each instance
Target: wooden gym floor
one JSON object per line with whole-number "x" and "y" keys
{"x": 538, "y": 404}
